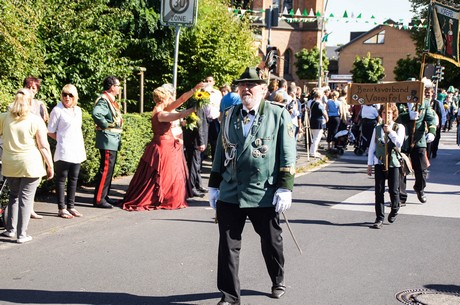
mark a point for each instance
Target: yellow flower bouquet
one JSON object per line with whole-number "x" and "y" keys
{"x": 199, "y": 99}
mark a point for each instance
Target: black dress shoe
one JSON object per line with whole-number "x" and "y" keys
{"x": 112, "y": 201}
{"x": 203, "y": 189}
{"x": 103, "y": 205}
{"x": 421, "y": 196}
{"x": 197, "y": 194}
{"x": 278, "y": 292}
{"x": 377, "y": 225}
{"x": 392, "y": 216}
{"x": 228, "y": 303}
{"x": 402, "y": 203}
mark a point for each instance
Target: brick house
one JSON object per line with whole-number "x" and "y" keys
{"x": 289, "y": 38}
{"x": 385, "y": 42}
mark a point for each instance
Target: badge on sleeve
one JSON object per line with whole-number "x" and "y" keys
{"x": 291, "y": 131}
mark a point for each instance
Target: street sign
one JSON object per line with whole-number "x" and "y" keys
{"x": 179, "y": 12}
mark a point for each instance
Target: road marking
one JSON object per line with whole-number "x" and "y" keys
{"x": 443, "y": 201}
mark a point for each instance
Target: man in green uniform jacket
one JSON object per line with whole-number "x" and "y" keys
{"x": 109, "y": 123}
{"x": 252, "y": 177}
{"x": 425, "y": 120}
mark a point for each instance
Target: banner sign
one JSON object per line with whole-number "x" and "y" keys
{"x": 443, "y": 34}
{"x": 398, "y": 92}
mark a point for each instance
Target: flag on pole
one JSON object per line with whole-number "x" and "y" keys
{"x": 443, "y": 33}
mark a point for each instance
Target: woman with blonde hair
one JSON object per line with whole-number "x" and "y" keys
{"x": 65, "y": 127}
{"x": 161, "y": 178}
{"x": 25, "y": 152}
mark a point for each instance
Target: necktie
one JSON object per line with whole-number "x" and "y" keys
{"x": 245, "y": 113}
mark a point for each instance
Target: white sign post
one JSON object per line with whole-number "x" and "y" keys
{"x": 178, "y": 13}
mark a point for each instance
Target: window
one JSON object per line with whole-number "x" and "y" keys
{"x": 377, "y": 39}
{"x": 287, "y": 4}
{"x": 287, "y": 62}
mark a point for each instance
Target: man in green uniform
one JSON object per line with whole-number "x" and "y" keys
{"x": 425, "y": 120}
{"x": 252, "y": 177}
{"x": 107, "y": 116}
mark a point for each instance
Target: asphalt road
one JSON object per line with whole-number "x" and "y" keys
{"x": 170, "y": 257}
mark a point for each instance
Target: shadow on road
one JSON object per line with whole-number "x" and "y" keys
{"x": 27, "y": 296}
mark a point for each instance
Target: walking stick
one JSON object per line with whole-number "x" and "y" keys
{"x": 292, "y": 233}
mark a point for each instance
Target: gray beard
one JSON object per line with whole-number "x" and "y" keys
{"x": 249, "y": 101}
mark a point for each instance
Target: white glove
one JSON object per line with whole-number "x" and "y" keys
{"x": 213, "y": 195}
{"x": 429, "y": 137}
{"x": 413, "y": 115}
{"x": 282, "y": 200}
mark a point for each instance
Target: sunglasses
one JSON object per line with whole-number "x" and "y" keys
{"x": 65, "y": 94}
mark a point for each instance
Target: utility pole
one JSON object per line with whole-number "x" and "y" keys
{"x": 320, "y": 70}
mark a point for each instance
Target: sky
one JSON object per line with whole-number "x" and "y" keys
{"x": 380, "y": 9}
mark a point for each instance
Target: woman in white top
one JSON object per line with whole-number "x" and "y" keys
{"x": 25, "y": 152}
{"x": 65, "y": 127}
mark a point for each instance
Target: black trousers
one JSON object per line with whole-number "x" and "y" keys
{"x": 193, "y": 158}
{"x": 104, "y": 175}
{"x": 66, "y": 171}
{"x": 392, "y": 175}
{"x": 432, "y": 148}
{"x": 231, "y": 220}
{"x": 419, "y": 162}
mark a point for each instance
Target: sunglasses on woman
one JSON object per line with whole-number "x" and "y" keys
{"x": 65, "y": 94}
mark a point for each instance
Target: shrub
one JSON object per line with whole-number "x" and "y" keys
{"x": 137, "y": 133}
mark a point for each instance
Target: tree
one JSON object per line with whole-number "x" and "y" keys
{"x": 308, "y": 63}
{"x": 20, "y": 48}
{"x": 407, "y": 68}
{"x": 83, "y": 45}
{"x": 367, "y": 69}
{"x": 220, "y": 44}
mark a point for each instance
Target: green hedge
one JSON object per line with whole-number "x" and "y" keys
{"x": 137, "y": 133}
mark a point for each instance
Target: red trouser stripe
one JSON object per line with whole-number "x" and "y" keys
{"x": 103, "y": 176}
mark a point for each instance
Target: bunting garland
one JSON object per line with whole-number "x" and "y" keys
{"x": 311, "y": 16}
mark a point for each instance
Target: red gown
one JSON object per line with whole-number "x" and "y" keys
{"x": 161, "y": 179}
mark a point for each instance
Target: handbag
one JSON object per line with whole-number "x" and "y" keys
{"x": 406, "y": 165}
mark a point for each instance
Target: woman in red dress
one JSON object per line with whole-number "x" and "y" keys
{"x": 161, "y": 178}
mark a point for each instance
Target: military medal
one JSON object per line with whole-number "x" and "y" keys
{"x": 246, "y": 120}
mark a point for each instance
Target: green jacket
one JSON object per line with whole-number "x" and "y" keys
{"x": 426, "y": 122}
{"x": 263, "y": 161}
{"x": 108, "y": 124}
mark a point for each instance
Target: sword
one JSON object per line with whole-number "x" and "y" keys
{"x": 292, "y": 233}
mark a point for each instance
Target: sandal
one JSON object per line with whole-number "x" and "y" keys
{"x": 64, "y": 214}
{"x": 74, "y": 212}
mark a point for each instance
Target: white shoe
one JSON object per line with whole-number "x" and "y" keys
{"x": 24, "y": 239}
{"x": 9, "y": 234}
{"x": 34, "y": 215}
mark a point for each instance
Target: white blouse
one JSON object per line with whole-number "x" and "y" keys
{"x": 67, "y": 123}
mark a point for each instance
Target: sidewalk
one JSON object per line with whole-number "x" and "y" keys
{"x": 46, "y": 206}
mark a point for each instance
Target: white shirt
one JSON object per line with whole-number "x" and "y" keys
{"x": 66, "y": 123}
{"x": 396, "y": 137}
{"x": 248, "y": 125}
{"x": 369, "y": 112}
{"x": 212, "y": 110}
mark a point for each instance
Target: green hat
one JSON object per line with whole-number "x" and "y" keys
{"x": 254, "y": 75}
{"x": 451, "y": 89}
